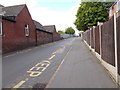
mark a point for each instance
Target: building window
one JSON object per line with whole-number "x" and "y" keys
{"x": 110, "y": 12}
{"x": 1, "y": 28}
{"x": 26, "y": 30}
{"x": 118, "y": 6}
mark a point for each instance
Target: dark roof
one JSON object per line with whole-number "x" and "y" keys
{"x": 1, "y": 5}
{"x": 12, "y": 10}
{"x": 51, "y": 28}
{"x": 40, "y": 27}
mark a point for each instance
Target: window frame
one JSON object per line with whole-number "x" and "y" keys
{"x": 27, "y": 30}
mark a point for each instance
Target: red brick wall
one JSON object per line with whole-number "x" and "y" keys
{"x": 14, "y": 34}
{"x": 43, "y": 37}
{"x": 56, "y": 36}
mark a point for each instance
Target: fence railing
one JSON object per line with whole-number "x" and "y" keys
{"x": 104, "y": 40}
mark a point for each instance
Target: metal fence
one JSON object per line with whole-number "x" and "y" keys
{"x": 101, "y": 39}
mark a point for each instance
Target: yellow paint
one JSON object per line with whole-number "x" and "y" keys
{"x": 43, "y": 69}
{"x": 20, "y": 83}
{"x": 34, "y": 73}
{"x": 46, "y": 61}
{"x": 40, "y": 64}
{"x": 38, "y": 68}
{"x": 51, "y": 57}
{"x": 45, "y": 65}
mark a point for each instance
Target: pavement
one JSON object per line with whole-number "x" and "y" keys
{"x": 80, "y": 69}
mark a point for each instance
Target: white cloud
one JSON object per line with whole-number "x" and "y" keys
{"x": 61, "y": 19}
{"x": 46, "y": 16}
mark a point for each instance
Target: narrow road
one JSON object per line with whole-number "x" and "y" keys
{"x": 35, "y": 66}
{"x": 81, "y": 69}
{"x": 63, "y": 64}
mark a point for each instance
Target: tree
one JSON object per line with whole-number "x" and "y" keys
{"x": 89, "y": 13}
{"x": 61, "y": 32}
{"x": 69, "y": 30}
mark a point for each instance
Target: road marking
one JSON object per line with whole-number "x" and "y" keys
{"x": 52, "y": 57}
{"x": 38, "y": 68}
{"x": 9, "y": 55}
{"x": 18, "y": 52}
{"x": 58, "y": 69}
{"x": 34, "y": 73}
{"x": 54, "y": 52}
{"x": 20, "y": 83}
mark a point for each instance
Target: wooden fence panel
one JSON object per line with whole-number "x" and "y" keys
{"x": 97, "y": 40}
{"x": 88, "y": 37}
{"x": 107, "y": 42}
{"x": 92, "y": 38}
{"x": 118, "y": 43}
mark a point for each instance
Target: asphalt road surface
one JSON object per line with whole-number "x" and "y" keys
{"x": 81, "y": 69}
{"x": 35, "y": 66}
{"x": 38, "y": 66}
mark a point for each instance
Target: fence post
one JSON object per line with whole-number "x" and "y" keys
{"x": 100, "y": 35}
{"x": 115, "y": 42}
{"x": 94, "y": 37}
{"x": 90, "y": 38}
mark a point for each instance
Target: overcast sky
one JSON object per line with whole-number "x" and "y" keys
{"x": 50, "y": 12}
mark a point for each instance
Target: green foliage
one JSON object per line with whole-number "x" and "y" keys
{"x": 89, "y": 13}
{"x": 61, "y": 32}
{"x": 70, "y": 30}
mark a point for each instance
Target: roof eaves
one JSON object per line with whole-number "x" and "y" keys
{"x": 12, "y": 19}
{"x": 43, "y": 30}
{"x": 15, "y": 5}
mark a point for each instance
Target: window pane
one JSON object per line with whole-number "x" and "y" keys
{"x": 26, "y": 30}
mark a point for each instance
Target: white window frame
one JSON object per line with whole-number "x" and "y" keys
{"x": 1, "y": 32}
{"x": 26, "y": 30}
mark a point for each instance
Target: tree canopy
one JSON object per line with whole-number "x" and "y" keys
{"x": 69, "y": 30}
{"x": 61, "y": 32}
{"x": 89, "y": 13}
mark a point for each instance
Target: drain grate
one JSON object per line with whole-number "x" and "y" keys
{"x": 39, "y": 86}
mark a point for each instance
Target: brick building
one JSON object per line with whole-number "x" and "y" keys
{"x": 52, "y": 29}
{"x": 115, "y": 8}
{"x": 18, "y": 29}
{"x": 42, "y": 35}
